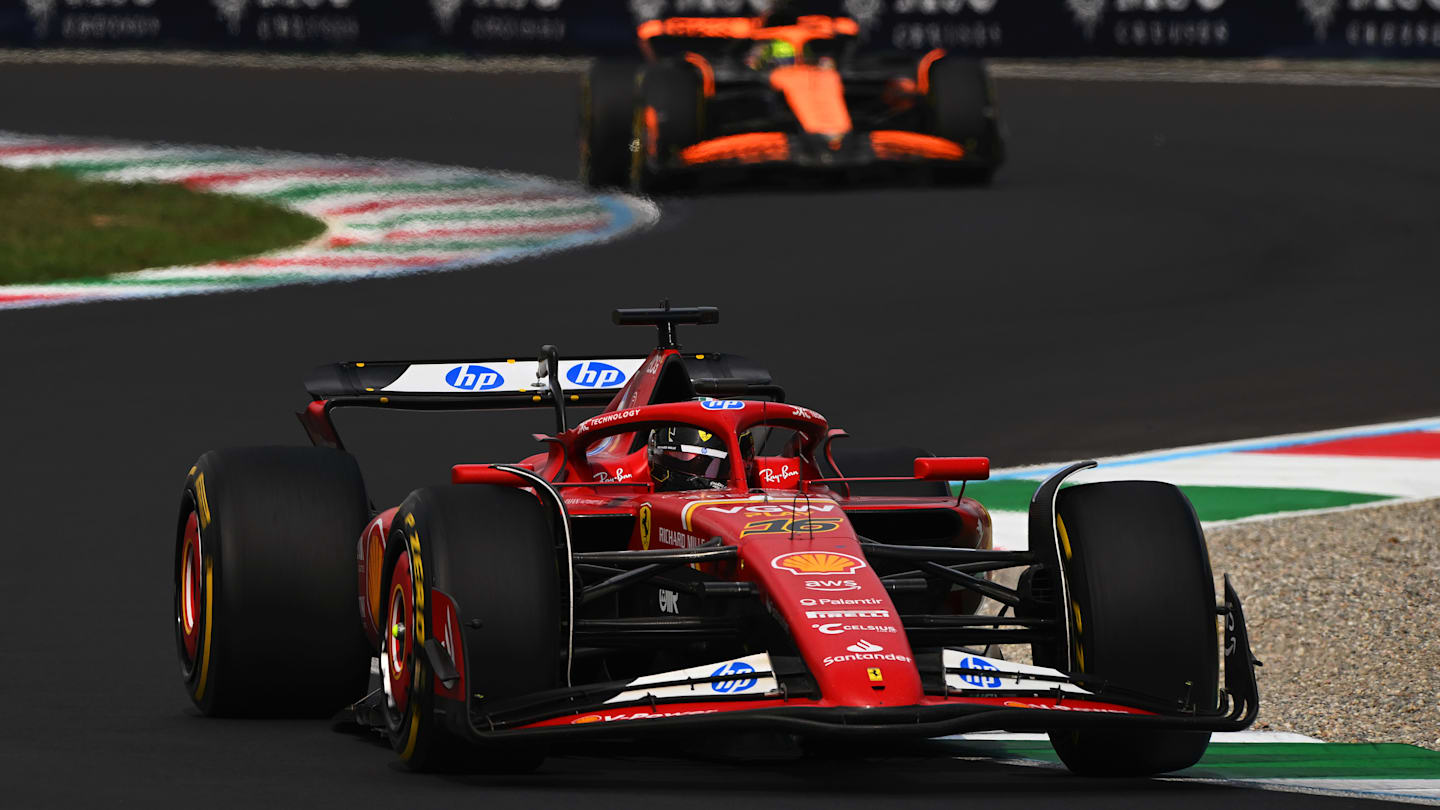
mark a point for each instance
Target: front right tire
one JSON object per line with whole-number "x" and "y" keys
{"x": 607, "y": 114}
{"x": 489, "y": 550}
{"x": 669, "y": 118}
{"x": 962, "y": 109}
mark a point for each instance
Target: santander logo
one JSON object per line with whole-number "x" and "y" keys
{"x": 863, "y": 646}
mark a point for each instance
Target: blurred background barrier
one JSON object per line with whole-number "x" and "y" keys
{"x": 1027, "y": 28}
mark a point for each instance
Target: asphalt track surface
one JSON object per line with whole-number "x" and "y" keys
{"x": 1160, "y": 264}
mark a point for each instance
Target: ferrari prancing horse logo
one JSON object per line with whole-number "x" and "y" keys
{"x": 645, "y": 526}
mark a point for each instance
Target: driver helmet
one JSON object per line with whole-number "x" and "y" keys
{"x": 777, "y": 52}
{"x": 685, "y": 458}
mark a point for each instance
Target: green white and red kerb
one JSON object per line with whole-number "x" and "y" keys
{"x": 382, "y": 218}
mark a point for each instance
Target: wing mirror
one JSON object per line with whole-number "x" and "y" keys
{"x": 975, "y": 468}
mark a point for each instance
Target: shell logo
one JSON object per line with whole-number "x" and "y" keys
{"x": 817, "y": 562}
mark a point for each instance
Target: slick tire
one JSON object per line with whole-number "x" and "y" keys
{"x": 607, "y": 115}
{"x": 669, "y": 118}
{"x": 266, "y": 591}
{"x": 1142, "y": 617}
{"x": 962, "y": 109}
{"x": 490, "y": 552}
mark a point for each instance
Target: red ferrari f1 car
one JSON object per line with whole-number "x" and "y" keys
{"x": 700, "y": 558}
{"x": 783, "y": 90}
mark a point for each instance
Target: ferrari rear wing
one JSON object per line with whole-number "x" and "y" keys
{"x": 509, "y": 384}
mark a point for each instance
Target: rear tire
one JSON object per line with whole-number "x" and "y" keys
{"x": 669, "y": 118}
{"x": 962, "y": 109}
{"x": 1143, "y": 617}
{"x": 266, "y": 590}
{"x": 607, "y": 116}
{"x": 491, "y": 550}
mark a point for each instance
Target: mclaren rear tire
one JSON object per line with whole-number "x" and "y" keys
{"x": 265, "y": 594}
{"x": 472, "y": 566}
{"x": 962, "y": 109}
{"x": 1142, "y": 617}
{"x": 607, "y": 114}
{"x": 669, "y": 118}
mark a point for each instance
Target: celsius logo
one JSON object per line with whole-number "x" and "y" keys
{"x": 742, "y": 677}
{"x": 473, "y": 378}
{"x": 977, "y": 679}
{"x": 595, "y": 374}
{"x": 721, "y": 404}
{"x": 863, "y": 646}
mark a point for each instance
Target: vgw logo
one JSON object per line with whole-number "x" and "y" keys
{"x": 739, "y": 682}
{"x": 595, "y": 374}
{"x": 975, "y": 678}
{"x": 473, "y": 378}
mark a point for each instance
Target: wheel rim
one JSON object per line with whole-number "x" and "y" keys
{"x": 398, "y": 647}
{"x": 189, "y": 592}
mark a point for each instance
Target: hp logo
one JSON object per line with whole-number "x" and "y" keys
{"x": 595, "y": 374}
{"x": 742, "y": 677}
{"x": 721, "y": 404}
{"x": 474, "y": 378}
{"x": 976, "y": 679}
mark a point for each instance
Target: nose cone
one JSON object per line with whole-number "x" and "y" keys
{"x": 840, "y": 616}
{"x": 817, "y": 97}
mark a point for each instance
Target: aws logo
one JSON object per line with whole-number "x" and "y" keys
{"x": 474, "y": 378}
{"x": 595, "y": 374}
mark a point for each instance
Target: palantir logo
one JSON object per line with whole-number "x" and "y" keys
{"x": 739, "y": 682}
{"x": 474, "y": 378}
{"x": 595, "y": 374}
{"x": 975, "y": 678}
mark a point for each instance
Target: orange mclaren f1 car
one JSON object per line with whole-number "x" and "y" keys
{"x": 792, "y": 92}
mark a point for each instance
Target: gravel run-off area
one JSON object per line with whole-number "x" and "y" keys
{"x": 1344, "y": 611}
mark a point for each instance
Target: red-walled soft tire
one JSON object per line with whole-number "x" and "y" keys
{"x": 491, "y": 550}
{"x": 265, "y": 586}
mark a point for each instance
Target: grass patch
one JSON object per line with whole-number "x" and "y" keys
{"x": 1211, "y": 502}
{"x": 54, "y": 227}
